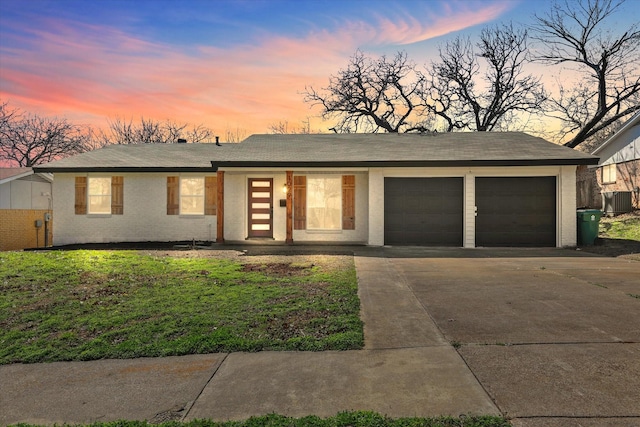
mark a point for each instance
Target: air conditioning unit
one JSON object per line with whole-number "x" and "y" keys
{"x": 616, "y": 202}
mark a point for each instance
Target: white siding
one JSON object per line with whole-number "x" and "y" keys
{"x": 25, "y": 194}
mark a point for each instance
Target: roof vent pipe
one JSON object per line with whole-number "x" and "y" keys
{"x": 218, "y": 141}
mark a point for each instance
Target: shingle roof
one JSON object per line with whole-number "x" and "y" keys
{"x": 325, "y": 150}
{"x": 12, "y": 172}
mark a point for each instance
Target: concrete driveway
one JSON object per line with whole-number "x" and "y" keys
{"x": 546, "y": 337}
{"x": 553, "y": 336}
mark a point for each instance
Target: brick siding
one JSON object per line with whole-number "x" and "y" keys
{"x": 627, "y": 179}
{"x": 18, "y": 230}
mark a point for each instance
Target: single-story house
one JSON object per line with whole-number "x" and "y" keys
{"x": 618, "y": 171}
{"x": 454, "y": 189}
{"x": 25, "y": 208}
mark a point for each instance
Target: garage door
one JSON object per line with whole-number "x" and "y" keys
{"x": 423, "y": 211}
{"x": 516, "y": 211}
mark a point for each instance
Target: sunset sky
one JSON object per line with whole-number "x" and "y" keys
{"x": 226, "y": 64}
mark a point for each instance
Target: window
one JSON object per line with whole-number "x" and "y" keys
{"x": 99, "y": 195}
{"x": 324, "y": 203}
{"x": 192, "y": 196}
{"x": 609, "y": 174}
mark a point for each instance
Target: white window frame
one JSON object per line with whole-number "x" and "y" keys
{"x": 92, "y": 194}
{"x": 183, "y": 196}
{"x": 313, "y": 200}
{"x": 609, "y": 173}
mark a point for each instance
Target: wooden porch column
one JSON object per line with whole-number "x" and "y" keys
{"x": 289, "y": 239}
{"x": 220, "y": 208}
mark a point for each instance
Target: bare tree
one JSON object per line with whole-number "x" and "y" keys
{"x": 372, "y": 95}
{"x": 487, "y": 95}
{"x": 282, "y": 127}
{"x": 235, "y": 135}
{"x": 149, "y": 131}
{"x": 574, "y": 34}
{"x": 27, "y": 139}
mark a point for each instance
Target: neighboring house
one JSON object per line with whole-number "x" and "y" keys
{"x": 618, "y": 171}
{"x": 454, "y": 189}
{"x": 25, "y": 200}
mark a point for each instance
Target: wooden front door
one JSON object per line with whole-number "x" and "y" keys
{"x": 260, "y": 207}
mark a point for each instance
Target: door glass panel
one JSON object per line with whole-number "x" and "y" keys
{"x": 260, "y": 216}
{"x": 260, "y": 226}
{"x": 260, "y": 205}
{"x": 260, "y": 194}
{"x": 261, "y": 183}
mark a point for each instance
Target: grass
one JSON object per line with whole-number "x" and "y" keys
{"x": 621, "y": 227}
{"x": 343, "y": 419}
{"x": 85, "y": 305}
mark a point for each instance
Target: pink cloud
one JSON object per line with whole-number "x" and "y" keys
{"x": 89, "y": 73}
{"x": 411, "y": 29}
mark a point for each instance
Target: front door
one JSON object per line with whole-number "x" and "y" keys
{"x": 260, "y": 207}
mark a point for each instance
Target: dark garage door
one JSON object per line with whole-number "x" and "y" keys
{"x": 516, "y": 211}
{"x": 423, "y": 211}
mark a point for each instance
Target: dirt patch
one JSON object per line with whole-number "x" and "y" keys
{"x": 280, "y": 269}
{"x": 628, "y": 249}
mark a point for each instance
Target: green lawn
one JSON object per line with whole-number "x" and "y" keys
{"x": 84, "y": 305}
{"x": 622, "y": 227}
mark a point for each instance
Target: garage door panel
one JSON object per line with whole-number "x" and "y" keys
{"x": 516, "y": 211}
{"x": 423, "y": 211}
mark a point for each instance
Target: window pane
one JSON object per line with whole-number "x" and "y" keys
{"x": 191, "y": 186}
{"x": 609, "y": 173}
{"x": 192, "y": 205}
{"x": 100, "y": 186}
{"x": 192, "y": 196}
{"x": 324, "y": 203}
{"x": 100, "y": 204}
{"x": 99, "y": 195}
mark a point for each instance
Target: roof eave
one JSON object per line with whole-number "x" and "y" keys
{"x": 627, "y": 125}
{"x": 122, "y": 169}
{"x": 407, "y": 163}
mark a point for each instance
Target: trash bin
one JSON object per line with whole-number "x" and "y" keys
{"x": 588, "y": 223}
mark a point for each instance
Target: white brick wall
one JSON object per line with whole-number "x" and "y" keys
{"x": 566, "y": 210}
{"x": 145, "y": 214}
{"x": 567, "y": 205}
{"x": 145, "y": 217}
{"x": 236, "y": 209}
{"x": 376, "y": 207}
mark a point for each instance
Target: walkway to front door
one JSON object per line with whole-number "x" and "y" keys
{"x": 261, "y": 207}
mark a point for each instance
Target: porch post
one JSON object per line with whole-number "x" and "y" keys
{"x": 220, "y": 208}
{"x": 289, "y": 239}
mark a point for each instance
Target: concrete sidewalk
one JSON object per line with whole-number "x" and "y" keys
{"x": 406, "y": 369}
